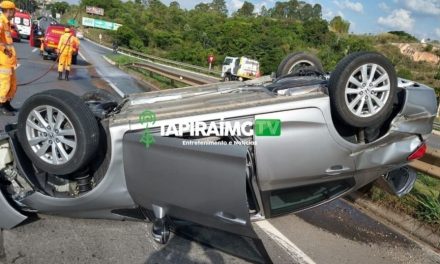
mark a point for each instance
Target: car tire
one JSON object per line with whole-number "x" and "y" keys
{"x": 45, "y": 57}
{"x": 227, "y": 78}
{"x": 360, "y": 97}
{"x": 295, "y": 61}
{"x": 64, "y": 143}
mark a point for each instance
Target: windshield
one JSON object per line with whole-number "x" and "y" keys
{"x": 21, "y": 21}
{"x": 228, "y": 61}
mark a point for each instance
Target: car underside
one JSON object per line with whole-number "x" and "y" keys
{"x": 223, "y": 181}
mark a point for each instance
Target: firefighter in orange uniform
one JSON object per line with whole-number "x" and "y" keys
{"x": 8, "y": 59}
{"x": 66, "y": 47}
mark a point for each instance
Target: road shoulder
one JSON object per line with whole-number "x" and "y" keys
{"x": 405, "y": 224}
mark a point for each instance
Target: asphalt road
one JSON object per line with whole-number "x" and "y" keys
{"x": 185, "y": 74}
{"x": 336, "y": 233}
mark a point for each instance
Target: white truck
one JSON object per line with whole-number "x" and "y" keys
{"x": 240, "y": 68}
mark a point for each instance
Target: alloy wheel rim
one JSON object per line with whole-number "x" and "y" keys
{"x": 367, "y": 90}
{"x": 51, "y": 135}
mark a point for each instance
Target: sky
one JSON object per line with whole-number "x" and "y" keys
{"x": 418, "y": 17}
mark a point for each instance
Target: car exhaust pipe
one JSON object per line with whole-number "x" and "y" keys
{"x": 398, "y": 182}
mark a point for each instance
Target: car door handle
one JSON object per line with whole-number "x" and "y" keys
{"x": 336, "y": 170}
{"x": 230, "y": 219}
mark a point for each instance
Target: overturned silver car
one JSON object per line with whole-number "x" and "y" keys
{"x": 216, "y": 156}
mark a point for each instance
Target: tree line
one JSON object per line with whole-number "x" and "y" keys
{"x": 209, "y": 28}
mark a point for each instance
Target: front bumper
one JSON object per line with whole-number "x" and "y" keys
{"x": 10, "y": 217}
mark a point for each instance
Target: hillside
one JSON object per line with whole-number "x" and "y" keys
{"x": 192, "y": 35}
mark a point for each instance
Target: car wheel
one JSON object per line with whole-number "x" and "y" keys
{"x": 297, "y": 61}
{"x": 227, "y": 78}
{"x": 363, "y": 89}
{"x": 58, "y": 132}
{"x": 45, "y": 57}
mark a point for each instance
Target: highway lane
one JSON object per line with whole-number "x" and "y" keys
{"x": 32, "y": 66}
{"x": 182, "y": 72}
{"x": 335, "y": 233}
{"x": 117, "y": 78}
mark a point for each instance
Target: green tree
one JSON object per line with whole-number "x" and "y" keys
{"x": 339, "y": 25}
{"x": 316, "y": 32}
{"x": 58, "y": 7}
{"x": 28, "y": 5}
{"x": 175, "y": 5}
{"x": 219, "y": 6}
{"x": 404, "y": 36}
{"x": 264, "y": 12}
{"x": 317, "y": 11}
{"x": 247, "y": 9}
{"x": 202, "y": 7}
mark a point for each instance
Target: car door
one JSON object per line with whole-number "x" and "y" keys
{"x": 302, "y": 165}
{"x": 199, "y": 187}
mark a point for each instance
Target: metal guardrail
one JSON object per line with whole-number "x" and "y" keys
{"x": 152, "y": 58}
{"x": 436, "y": 126}
{"x": 169, "y": 62}
{"x": 187, "y": 79}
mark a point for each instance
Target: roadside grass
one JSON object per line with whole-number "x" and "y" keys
{"x": 122, "y": 60}
{"x": 155, "y": 79}
{"x": 423, "y": 203}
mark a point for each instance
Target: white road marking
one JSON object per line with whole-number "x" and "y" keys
{"x": 108, "y": 60}
{"x": 35, "y": 50}
{"x": 112, "y": 85}
{"x": 82, "y": 56}
{"x": 284, "y": 242}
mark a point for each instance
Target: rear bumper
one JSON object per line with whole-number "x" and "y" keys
{"x": 52, "y": 51}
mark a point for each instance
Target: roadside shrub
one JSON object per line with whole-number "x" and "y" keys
{"x": 428, "y": 48}
{"x": 428, "y": 208}
{"x": 404, "y": 73}
{"x": 136, "y": 44}
{"x": 124, "y": 34}
{"x": 437, "y": 75}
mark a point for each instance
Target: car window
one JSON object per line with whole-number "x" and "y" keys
{"x": 227, "y": 61}
{"x": 17, "y": 20}
{"x": 298, "y": 198}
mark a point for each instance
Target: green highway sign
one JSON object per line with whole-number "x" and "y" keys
{"x": 72, "y": 22}
{"x": 98, "y": 23}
